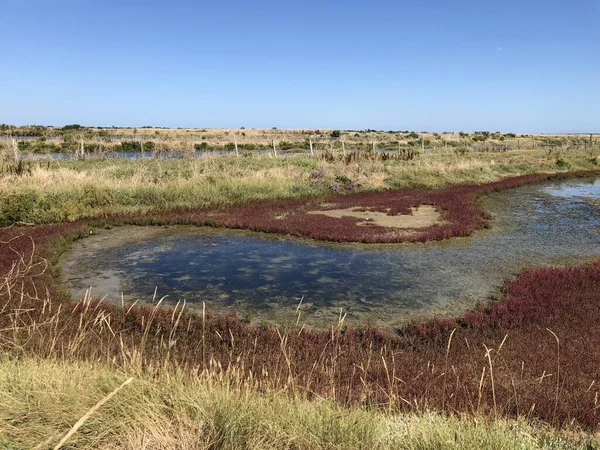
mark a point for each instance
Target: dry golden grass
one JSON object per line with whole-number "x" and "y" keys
{"x": 42, "y": 400}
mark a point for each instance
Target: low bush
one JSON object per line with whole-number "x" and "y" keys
{"x": 39, "y": 146}
{"x": 22, "y": 206}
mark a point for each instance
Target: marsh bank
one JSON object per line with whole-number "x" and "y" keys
{"x": 266, "y": 277}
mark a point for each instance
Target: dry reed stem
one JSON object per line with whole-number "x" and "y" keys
{"x": 88, "y": 414}
{"x": 557, "y": 372}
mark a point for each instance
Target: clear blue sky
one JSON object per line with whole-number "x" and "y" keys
{"x": 523, "y": 66}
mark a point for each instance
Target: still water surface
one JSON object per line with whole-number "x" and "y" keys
{"x": 264, "y": 276}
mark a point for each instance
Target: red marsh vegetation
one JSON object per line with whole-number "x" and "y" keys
{"x": 459, "y": 214}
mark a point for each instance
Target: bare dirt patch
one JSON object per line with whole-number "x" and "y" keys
{"x": 422, "y": 216}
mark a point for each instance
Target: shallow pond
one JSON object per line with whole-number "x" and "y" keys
{"x": 265, "y": 277}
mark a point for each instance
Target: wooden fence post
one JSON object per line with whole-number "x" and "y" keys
{"x": 274, "y": 149}
{"x": 15, "y": 149}
{"x": 533, "y": 141}
{"x": 142, "y": 149}
{"x": 311, "y": 147}
{"x": 81, "y": 149}
{"x": 237, "y": 154}
{"x": 422, "y": 144}
{"x": 343, "y": 149}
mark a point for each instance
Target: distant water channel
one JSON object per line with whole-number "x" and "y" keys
{"x": 264, "y": 277}
{"x": 143, "y": 155}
